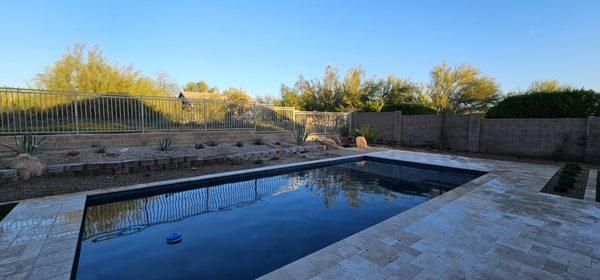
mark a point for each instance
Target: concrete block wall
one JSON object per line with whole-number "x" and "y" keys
{"x": 576, "y": 139}
{"x": 547, "y": 138}
{"x": 82, "y": 141}
{"x": 592, "y": 147}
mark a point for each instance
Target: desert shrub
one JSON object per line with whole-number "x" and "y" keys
{"x": 278, "y": 143}
{"x": 258, "y": 141}
{"x": 369, "y": 132}
{"x": 239, "y": 144}
{"x": 212, "y": 142}
{"x": 409, "y": 108}
{"x": 165, "y": 143}
{"x": 301, "y": 134}
{"x": 259, "y": 161}
{"x": 570, "y": 103}
{"x": 345, "y": 131}
{"x": 100, "y": 150}
{"x": 198, "y": 146}
{"x": 28, "y": 144}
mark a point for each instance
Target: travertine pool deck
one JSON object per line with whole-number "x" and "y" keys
{"x": 498, "y": 226}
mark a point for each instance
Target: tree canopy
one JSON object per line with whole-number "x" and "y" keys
{"x": 459, "y": 90}
{"x": 352, "y": 92}
{"x": 89, "y": 71}
{"x": 450, "y": 90}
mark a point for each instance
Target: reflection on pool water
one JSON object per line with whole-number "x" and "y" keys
{"x": 245, "y": 229}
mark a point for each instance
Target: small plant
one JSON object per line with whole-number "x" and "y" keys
{"x": 212, "y": 142}
{"x": 198, "y": 146}
{"x": 301, "y": 134}
{"x": 567, "y": 177}
{"x": 259, "y": 161}
{"x": 275, "y": 158}
{"x": 100, "y": 150}
{"x": 29, "y": 144}
{"x": 239, "y": 144}
{"x": 165, "y": 143}
{"x": 258, "y": 141}
{"x": 278, "y": 143}
{"x": 369, "y": 132}
{"x": 345, "y": 131}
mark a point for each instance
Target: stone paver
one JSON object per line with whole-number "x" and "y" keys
{"x": 498, "y": 226}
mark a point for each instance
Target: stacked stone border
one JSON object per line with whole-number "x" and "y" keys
{"x": 141, "y": 165}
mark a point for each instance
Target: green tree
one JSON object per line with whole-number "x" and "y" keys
{"x": 459, "y": 90}
{"x": 237, "y": 95}
{"x": 199, "y": 86}
{"x": 548, "y": 86}
{"x": 78, "y": 70}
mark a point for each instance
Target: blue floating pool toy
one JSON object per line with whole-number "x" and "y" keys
{"x": 174, "y": 237}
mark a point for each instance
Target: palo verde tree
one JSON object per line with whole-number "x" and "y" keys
{"x": 81, "y": 71}
{"x": 459, "y": 90}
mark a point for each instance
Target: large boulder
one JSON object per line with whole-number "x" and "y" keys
{"x": 329, "y": 143}
{"x": 28, "y": 166}
{"x": 361, "y": 142}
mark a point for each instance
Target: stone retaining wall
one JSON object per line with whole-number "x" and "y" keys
{"x": 83, "y": 141}
{"x": 128, "y": 166}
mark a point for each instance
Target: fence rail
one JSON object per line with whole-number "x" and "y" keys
{"x": 55, "y": 112}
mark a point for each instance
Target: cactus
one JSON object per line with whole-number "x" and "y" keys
{"x": 165, "y": 143}
{"x": 29, "y": 144}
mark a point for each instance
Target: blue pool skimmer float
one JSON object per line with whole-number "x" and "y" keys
{"x": 174, "y": 237}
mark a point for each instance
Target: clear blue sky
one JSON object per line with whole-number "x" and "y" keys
{"x": 257, "y": 45}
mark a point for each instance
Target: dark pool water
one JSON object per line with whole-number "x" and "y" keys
{"x": 245, "y": 229}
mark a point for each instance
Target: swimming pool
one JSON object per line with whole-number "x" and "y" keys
{"x": 244, "y": 227}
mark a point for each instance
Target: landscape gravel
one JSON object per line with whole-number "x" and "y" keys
{"x": 143, "y": 152}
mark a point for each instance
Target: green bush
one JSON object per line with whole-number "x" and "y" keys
{"x": 565, "y": 104}
{"x": 409, "y": 108}
{"x": 369, "y": 132}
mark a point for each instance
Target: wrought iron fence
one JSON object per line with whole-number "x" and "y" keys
{"x": 53, "y": 112}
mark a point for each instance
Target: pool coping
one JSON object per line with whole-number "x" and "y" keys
{"x": 39, "y": 238}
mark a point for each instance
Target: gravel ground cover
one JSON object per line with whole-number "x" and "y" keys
{"x": 144, "y": 152}
{"x": 51, "y": 185}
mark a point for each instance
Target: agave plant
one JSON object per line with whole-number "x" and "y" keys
{"x": 29, "y": 144}
{"x": 301, "y": 134}
{"x": 165, "y": 143}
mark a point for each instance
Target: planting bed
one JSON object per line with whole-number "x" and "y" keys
{"x": 576, "y": 191}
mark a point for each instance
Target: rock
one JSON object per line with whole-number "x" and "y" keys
{"x": 336, "y": 139}
{"x": 73, "y": 152}
{"x": 329, "y": 143}
{"x": 124, "y": 150}
{"x": 361, "y": 142}
{"x": 28, "y": 166}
